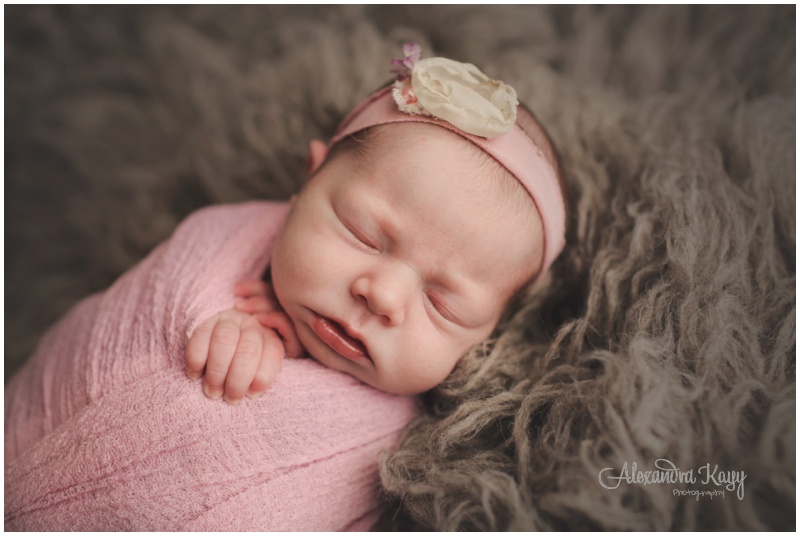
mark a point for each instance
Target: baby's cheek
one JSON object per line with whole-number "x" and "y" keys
{"x": 426, "y": 360}
{"x": 299, "y": 258}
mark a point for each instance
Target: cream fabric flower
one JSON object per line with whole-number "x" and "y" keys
{"x": 462, "y": 95}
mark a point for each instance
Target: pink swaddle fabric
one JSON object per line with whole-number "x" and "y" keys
{"x": 103, "y": 431}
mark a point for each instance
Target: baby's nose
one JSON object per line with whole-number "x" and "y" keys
{"x": 385, "y": 293}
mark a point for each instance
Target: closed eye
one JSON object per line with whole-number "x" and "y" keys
{"x": 441, "y": 309}
{"x": 360, "y": 238}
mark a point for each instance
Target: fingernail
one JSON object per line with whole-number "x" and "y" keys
{"x": 232, "y": 402}
{"x": 192, "y": 374}
{"x": 254, "y": 395}
{"x": 212, "y": 392}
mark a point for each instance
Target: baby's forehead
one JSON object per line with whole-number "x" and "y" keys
{"x": 499, "y": 183}
{"x": 389, "y": 137}
{"x": 384, "y": 146}
{"x": 471, "y": 182}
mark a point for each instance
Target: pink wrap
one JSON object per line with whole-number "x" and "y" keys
{"x": 103, "y": 431}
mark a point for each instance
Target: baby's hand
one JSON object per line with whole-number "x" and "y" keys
{"x": 255, "y": 296}
{"x": 242, "y": 350}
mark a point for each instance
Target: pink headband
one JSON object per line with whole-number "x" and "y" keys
{"x": 514, "y": 150}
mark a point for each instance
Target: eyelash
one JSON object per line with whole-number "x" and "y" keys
{"x": 360, "y": 239}
{"x": 440, "y": 309}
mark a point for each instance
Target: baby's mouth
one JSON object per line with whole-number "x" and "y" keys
{"x": 336, "y": 336}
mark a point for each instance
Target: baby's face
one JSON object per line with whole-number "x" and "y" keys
{"x": 392, "y": 266}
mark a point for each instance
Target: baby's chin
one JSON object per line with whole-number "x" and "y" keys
{"x": 341, "y": 364}
{"x": 399, "y": 387}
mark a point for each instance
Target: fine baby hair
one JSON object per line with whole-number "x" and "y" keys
{"x": 420, "y": 254}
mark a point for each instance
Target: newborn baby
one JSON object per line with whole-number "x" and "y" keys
{"x": 438, "y": 199}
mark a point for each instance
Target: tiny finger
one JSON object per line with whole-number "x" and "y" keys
{"x": 281, "y": 323}
{"x": 250, "y": 288}
{"x": 196, "y": 351}
{"x": 222, "y": 346}
{"x": 272, "y": 354}
{"x": 255, "y": 304}
{"x": 245, "y": 362}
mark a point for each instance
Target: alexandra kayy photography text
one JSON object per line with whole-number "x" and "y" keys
{"x": 717, "y": 481}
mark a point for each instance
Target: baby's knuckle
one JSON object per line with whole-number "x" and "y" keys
{"x": 247, "y": 350}
{"x": 226, "y": 334}
{"x": 217, "y": 369}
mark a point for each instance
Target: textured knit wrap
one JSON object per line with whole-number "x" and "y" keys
{"x": 103, "y": 431}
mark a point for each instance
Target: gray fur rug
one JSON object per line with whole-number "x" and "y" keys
{"x": 667, "y": 329}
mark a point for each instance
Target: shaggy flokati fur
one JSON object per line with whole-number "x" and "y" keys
{"x": 667, "y": 329}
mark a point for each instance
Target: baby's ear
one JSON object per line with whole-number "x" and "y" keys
{"x": 317, "y": 152}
